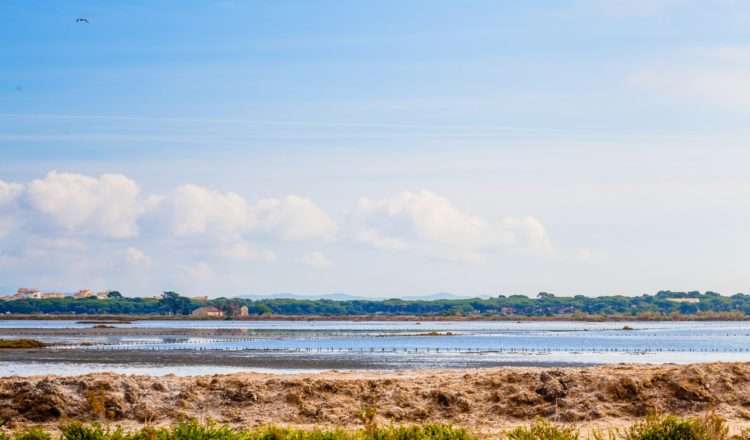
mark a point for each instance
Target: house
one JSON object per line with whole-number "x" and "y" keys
{"x": 202, "y": 298}
{"x": 85, "y": 293}
{"x": 244, "y": 312}
{"x": 207, "y": 312}
{"x": 53, "y": 295}
{"x": 685, "y": 300}
{"x": 25, "y": 292}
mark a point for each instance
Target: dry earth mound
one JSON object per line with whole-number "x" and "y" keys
{"x": 474, "y": 398}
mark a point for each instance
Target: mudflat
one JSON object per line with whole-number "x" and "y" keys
{"x": 481, "y": 399}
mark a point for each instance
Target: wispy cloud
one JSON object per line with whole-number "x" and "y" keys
{"x": 715, "y": 75}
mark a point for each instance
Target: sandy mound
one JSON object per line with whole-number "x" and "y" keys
{"x": 474, "y": 398}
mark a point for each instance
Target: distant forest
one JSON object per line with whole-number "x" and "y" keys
{"x": 663, "y": 305}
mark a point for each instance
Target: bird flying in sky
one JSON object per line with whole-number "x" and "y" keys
{"x": 82, "y": 20}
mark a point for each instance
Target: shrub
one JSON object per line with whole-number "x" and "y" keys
{"x": 710, "y": 427}
{"x": 543, "y": 430}
{"x": 193, "y": 430}
{"x": 32, "y": 434}
{"x": 423, "y": 432}
{"x": 79, "y": 431}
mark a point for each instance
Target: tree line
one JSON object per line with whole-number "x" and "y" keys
{"x": 543, "y": 305}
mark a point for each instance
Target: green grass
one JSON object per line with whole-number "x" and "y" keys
{"x": 35, "y": 433}
{"x": 710, "y": 427}
{"x": 193, "y": 430}
{"x": 543, "y": 430}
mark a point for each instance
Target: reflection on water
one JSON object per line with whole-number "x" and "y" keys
{"x": 73, "y": 369}
{"x": 394, "y": 344}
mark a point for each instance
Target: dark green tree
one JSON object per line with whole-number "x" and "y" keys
{"x": 176, "y": 303}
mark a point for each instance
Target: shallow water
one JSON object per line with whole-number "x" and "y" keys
{"x": 384, "y": 345}
{"x": 74, "y": 369}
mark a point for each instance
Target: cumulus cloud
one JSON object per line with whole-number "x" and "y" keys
{"x": 410, "y": 220}
{"x": 9, "y": 194}
{"x": 295, "y": 218}
{"x": 60, "y": 219}
{"x": 106, "y": 206}
{"x": 195, "y": 210}
{"x": 199, "y": 272}
{"x": 317, "y": 260}
{"x": 242, "y": 250}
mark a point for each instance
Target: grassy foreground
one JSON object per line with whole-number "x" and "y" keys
{"x": 710, "y": 427}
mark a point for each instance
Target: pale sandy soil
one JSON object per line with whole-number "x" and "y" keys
{"x": 483, "y": 400}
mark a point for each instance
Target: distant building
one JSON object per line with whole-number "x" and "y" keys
{"x": 85, "y": 293}
{"x": 202, "y": 298}
{"x": 53, "y": 295}
{"x": 685, "y": 300}
{"x": 244, "y": 312}
{"x": 26, "y": 293}
{"x": 207, "y": 312}
{"x": 102, "y": 295}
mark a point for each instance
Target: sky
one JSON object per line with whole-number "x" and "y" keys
{"x": 383, "y": 149}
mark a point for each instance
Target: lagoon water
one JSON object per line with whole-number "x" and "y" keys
{"x": 385, "y": 344}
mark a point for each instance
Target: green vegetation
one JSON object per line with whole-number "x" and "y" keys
{"x": 663, "y": 305}
{"x": 543, "y": 430}
{"x": 34, "y": 433}
{"x": 199, "y": 431}
{"x": 710, "y": 427}
{"x": 20, "y": 343}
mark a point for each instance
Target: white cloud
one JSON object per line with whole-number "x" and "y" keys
{"x": 295, "y": 218}
{"x": 195, "y": 210}
{"x": 106, "y": 206}
{"x": 317, "y": 260}
{"x": 9, "y": 192}
{"x": 136, "y": 257}
{"x": 414, "y": 219}
{"x": 717, "y": 75}
{"x": 534, "y": 234}
{"x": 378, "y": 240}
{"x": 245, "y": 251}
{"x": 198, "y": 272}
{"x": 7, "y": 224}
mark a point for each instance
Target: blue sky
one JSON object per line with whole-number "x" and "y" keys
{"x": 378, "y": 148}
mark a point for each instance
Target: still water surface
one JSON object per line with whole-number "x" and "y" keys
{"x": 393, "y": 344}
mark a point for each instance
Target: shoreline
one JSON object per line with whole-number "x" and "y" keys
{"x": 124, "y": 319}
